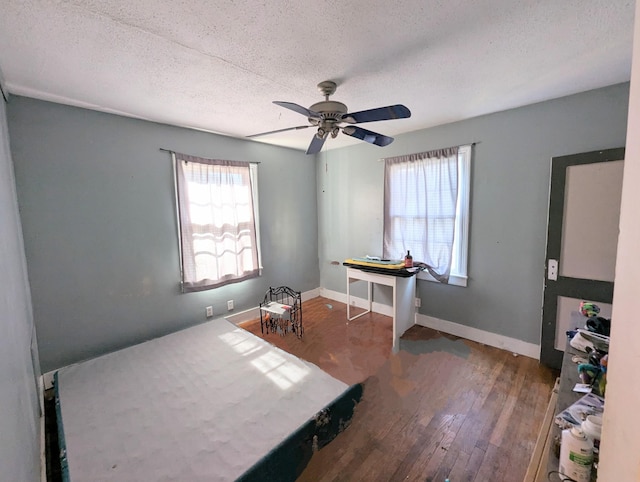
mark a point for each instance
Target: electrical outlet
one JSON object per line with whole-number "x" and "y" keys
{"x": 209, "y": 311}
{"x": 230, "y": 305}
{"x": 418, "y": 302}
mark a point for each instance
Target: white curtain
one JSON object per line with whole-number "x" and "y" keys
{"x": 217, "y": 225}
{"x": 420, "y": 197}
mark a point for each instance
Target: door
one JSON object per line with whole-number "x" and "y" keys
{"x": 582, "y": 238}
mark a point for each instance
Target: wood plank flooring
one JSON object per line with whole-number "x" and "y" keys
{"x": 441, "y": 408}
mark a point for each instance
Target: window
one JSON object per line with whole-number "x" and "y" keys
{"x": 218, "y": 221}
{"x": 427, "y": 211}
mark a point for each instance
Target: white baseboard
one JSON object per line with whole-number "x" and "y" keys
{"x": 309, "y": 295}
{"x": 474, "y": 334}
{"x": 485, "y": 337}
{"x": 47, "y": 379}
{"x": 41, "y": 389}
{"x": 242, "y": 316}
{"x": 43, "y": 440}
{"x": 357, "y": 302}
{"x": 43, "y": 451}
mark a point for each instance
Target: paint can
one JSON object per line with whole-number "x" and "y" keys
{"x": 576, "y": 454}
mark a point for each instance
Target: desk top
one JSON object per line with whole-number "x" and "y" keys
{"x": 400, "y": 273}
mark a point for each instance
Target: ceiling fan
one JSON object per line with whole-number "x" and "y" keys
{"x": 328, "y": 116}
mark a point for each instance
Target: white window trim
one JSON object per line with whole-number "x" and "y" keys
{"x": 461, "y": 242}
{"x": 253, "y": 173}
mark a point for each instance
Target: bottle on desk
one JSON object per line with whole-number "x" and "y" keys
{"x": 408, "y": 260}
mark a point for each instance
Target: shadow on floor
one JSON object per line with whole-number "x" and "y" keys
{"x": 419, "y": 347}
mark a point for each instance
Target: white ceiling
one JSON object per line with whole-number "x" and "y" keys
{"x": 216, "y": 66}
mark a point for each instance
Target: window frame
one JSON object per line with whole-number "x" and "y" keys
{"x": 253, "y": 179}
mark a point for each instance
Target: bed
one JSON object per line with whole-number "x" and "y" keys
{"x": 211, "y": 402}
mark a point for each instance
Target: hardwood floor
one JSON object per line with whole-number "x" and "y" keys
{"x": 442, "y": 407}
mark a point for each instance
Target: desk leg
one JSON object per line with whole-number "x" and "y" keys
{"x": 369, "y": 300}
{"x": 404, "y": 311}
{"x": 348, "y": 298}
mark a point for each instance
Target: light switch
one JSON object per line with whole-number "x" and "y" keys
{"x": 552, "y": 270}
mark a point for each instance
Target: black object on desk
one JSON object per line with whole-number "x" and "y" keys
{"x": 401, "y": 273}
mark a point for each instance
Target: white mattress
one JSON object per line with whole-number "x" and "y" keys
{"x": 205, "y": 403}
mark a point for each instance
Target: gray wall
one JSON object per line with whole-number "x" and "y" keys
{"x": 509, "y": 197}
{"x": 19, "y": 405}
{"x": 96, "y": 200}
{"x": 97, "y": 203}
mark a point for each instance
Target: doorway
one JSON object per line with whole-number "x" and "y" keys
{"x": 582, "y": 238}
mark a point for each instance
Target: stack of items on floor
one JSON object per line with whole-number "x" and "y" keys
{"x": 593, "y": 339}
{"x": 581, "y": 423}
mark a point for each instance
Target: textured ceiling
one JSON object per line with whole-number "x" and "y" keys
{"x": 217, "y": 65}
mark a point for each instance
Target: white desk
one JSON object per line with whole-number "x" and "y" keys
{"x": 404, "y": 292}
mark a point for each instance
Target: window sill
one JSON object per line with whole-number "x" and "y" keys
{"x": 453, "y": 279}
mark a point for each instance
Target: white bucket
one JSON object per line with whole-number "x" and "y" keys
{"x": 576, "y": 455}
{"x": 592, "y": 427}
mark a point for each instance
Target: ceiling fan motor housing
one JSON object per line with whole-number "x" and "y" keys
{"x": 329, "y": 109}
{"x": 331, "y": 113}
